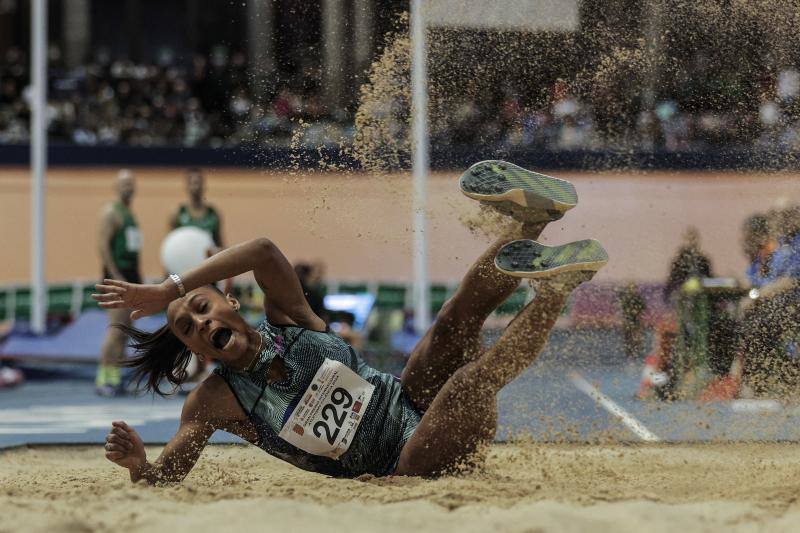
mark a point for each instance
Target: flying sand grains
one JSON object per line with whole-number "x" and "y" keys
{"x": 759, "y": 478}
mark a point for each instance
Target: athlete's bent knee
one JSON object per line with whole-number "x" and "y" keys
{"x": 459, "y": 308}
{"x": 469, "y": 379}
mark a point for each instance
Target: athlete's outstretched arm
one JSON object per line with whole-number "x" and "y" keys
{"x": 209, "y": 407}
{"x": 125, "y": 448}
{"x": 272, "y": 271}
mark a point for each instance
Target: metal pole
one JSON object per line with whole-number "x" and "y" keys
{"x": 363, "y": 37}
{"x": 334, "y": 28}
{"x": 38, "y": 162}
{"x": 76, "y": 24}
{"x": 653, "y": 41}
{"x": 419, "y": 105}
{"x": 260, "y": 35}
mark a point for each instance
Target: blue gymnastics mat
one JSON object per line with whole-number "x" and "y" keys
{"x": 78, "y": 342}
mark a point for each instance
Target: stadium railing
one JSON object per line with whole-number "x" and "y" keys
{"x": 67, "y": 300}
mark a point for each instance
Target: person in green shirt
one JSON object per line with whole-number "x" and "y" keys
{"x": 119, "y": 243}
{"x": 198, "y": 212}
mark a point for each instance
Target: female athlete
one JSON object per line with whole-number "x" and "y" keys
{"x": 302, "y": 394}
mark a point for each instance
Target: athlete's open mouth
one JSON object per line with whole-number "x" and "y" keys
{"x": 220, "y": 338}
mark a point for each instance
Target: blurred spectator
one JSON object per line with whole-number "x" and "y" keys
{"x": 706, "y": 325}
{"x": 788, "y": 85}
{"x": 119, "y": 242}
{"x": 311, "y": 279}
{"x": 785, "y": 263}
{"x": 674, "y": 126}
{"x": 198, "y": 212}
{"x": 658, "y": 376}
{"x": 567, "y": 112}
{"x": 406, "y": 338}
{"x": 768, "y": 339}
{"x": 632, "y": 306}
{"x": 759, "y": 247}
{"x": 690, "y": 262}
{"x": 770, "y": 117}
{"x": 342, "y": 323}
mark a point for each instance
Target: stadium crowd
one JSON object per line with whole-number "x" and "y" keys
{"x": 208, "y": 103}
{"x": 211, "y": 103}
{"x": 569, "y": 122}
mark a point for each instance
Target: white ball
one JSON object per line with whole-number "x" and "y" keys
{"x": 185, "y": 248}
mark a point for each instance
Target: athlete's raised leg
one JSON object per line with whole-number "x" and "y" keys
{"x": 463, "y": 415}
{"x": 453, "y": 340}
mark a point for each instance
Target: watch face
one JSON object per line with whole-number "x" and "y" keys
{"x": 753, "y": 294}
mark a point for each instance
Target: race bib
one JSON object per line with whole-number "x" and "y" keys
{"x": 133, "y": 239}
{"x": 327, "y": 416}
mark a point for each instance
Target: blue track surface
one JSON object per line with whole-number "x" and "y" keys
{"x": 543, "y": 404}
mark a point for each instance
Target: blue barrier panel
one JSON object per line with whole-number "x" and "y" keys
{"x": 79, "y": 341}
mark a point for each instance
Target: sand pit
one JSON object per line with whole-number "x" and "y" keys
{"x": 526, "y": 487}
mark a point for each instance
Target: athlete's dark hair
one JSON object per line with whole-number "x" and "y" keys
{"x": 158, "y": 355}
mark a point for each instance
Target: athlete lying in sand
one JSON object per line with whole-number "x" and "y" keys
{"x": 303, "y": 395}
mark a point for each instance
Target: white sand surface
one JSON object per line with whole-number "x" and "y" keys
{"x": 525, "y": 487}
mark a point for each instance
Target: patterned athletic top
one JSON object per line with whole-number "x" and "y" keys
{"x": 388, "y": 422}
